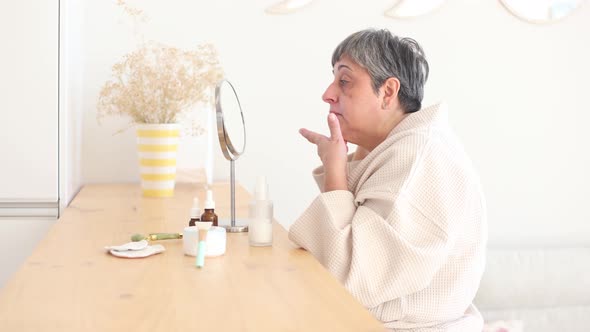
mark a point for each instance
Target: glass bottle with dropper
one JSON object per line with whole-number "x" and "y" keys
{"x": 195, "y": 212}
{"x": 209, "y": 214}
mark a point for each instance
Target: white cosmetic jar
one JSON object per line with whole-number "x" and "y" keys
{"x": 216, "y": 240}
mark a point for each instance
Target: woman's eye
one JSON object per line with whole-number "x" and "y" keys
{"x": 343, "y": 82}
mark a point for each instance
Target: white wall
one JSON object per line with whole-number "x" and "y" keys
{"x": 515, "y": 92}
{"x": 71, "y": 94}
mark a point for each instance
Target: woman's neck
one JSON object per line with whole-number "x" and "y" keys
{"x": 383, "y": 129}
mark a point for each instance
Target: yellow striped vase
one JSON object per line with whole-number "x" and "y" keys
{"x": 157, "y": 145}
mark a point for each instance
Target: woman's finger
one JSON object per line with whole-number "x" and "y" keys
{"x": 335, "y": 132}
{"x": 311, "y": 136}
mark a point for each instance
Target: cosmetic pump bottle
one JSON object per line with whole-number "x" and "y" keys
{"x": 209, "y": 214}
{"x": 195, "y": 214}
{"x": 261, "y": 216}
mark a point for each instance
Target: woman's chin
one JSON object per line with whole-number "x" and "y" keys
{"x": 348, "y": 139}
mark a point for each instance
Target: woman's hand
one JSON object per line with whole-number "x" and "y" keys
{"x": 332, "y": 151}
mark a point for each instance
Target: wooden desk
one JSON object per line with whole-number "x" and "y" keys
{"x": 70, "y": 283}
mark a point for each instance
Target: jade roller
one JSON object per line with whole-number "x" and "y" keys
{"x": 156, "y": 236}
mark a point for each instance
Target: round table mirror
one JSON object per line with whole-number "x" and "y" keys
{"x": 231, "y": 130}
{"x": 541, "y": 11}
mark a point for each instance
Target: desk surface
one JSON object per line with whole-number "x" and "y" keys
{"x": 70, "y": 283}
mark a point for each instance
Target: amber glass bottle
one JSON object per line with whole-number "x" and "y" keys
{"x": 209, "y": 214}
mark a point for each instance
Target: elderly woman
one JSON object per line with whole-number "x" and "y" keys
{"x": 402, "y": 221}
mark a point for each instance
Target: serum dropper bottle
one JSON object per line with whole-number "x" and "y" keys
{"x": 209, "y": 214}
{"x": 195, "y": 212}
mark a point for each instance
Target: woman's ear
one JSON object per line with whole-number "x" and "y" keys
{"x": 390, "y": 89}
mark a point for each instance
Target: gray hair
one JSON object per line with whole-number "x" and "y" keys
{"x": 385, "y": 55}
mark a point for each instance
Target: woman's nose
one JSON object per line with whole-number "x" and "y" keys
{"x": 329, "y": 95}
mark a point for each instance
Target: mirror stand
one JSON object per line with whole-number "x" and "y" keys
{"x": 230, "y": 119}
{"x": 232, "y": 227}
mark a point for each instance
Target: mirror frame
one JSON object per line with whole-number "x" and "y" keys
{"x": 227, "y": 147}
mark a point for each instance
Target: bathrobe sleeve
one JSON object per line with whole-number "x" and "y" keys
{"x": 319, "y": 176}
{"x": 379, "y": 244}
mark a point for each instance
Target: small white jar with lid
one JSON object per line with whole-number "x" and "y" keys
{"x": 216, "y": 241}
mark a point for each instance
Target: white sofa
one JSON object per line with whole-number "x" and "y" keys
{"x": 548, "y": 289}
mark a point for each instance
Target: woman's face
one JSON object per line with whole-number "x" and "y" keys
{"x": 352, "y": 99}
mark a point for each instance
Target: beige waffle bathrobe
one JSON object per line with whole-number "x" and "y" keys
{"x": 408, "y": 237}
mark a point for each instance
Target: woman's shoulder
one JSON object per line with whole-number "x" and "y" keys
{"x": 388, "y": 166}
{"x": 426, "y": 120}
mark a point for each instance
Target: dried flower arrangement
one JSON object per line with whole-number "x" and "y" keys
{"x": 158, "y": 84}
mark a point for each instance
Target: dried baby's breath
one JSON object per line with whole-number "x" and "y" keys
{"x": 157, "y": 83}
{"x": 132, "y": 12}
